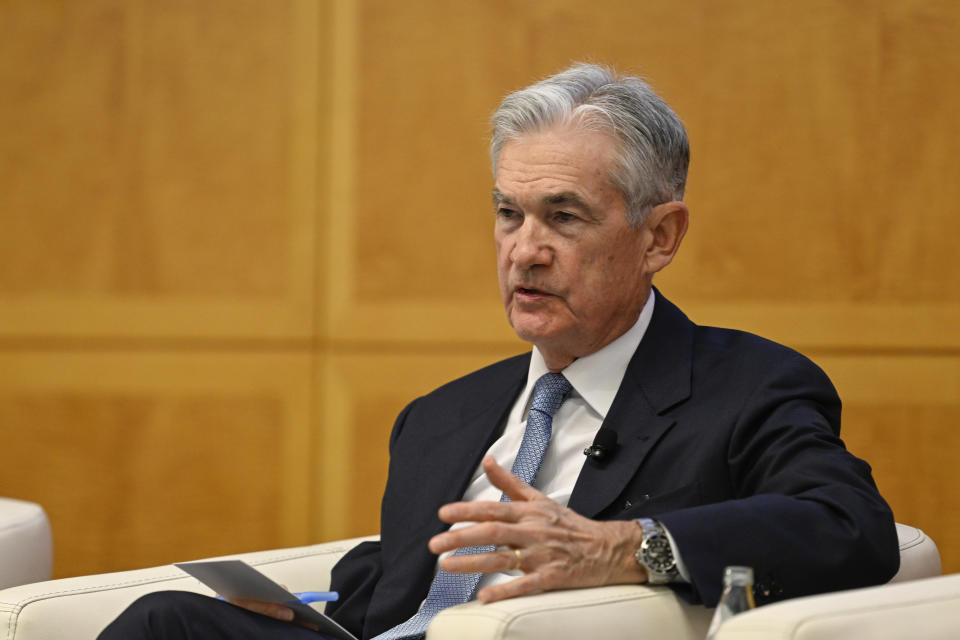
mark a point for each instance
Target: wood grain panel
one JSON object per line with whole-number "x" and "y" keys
{"x": 809, "y": 211}
{"x": 146, "y": 458}
{"x": 819, "y": 134}
{"x": 158, "y": 171}
{"x": 392, "y": 265}
{"x": 361, "y": 397}
{"x": 921, "y": 136}
{"x": 901, "y": 415}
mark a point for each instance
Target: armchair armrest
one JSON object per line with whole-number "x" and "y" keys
{"x": 614, "y": 613}
{"x": 81, "y": 607}
{"x": 916, "y": 609}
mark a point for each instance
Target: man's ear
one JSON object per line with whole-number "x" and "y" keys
{"x": 667, "y": 224}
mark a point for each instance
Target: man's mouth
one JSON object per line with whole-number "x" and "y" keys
{"x": 530, "y": 292}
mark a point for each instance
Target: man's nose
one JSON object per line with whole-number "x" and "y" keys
{"x": 530, "y": 246}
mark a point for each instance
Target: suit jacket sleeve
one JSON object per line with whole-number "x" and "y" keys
{"x": 800, "y": 509}
{"x": 356, "y": 575}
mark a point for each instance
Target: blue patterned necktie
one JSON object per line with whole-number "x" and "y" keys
{"x": 449, "y": 589}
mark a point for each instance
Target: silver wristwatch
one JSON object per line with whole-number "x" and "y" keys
{"x": 655, "y": 553}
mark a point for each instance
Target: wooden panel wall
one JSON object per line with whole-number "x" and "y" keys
{"x": 159, "y": 172}
{"x": 236, "y": 237}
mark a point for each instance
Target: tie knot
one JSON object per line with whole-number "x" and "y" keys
{"x": 549, "y": 392}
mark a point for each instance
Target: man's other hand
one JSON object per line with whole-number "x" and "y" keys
{"x": 555, "y": 547}
{"x": 271, "y": 610}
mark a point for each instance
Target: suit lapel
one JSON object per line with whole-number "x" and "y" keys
{"x": 481, "y": 423}
{"x": 657, "y": 378}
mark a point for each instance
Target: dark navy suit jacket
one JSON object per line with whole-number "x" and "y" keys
{"x": 730, "y": 440}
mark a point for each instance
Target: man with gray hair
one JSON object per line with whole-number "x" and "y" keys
{"x": 705, "y": 447}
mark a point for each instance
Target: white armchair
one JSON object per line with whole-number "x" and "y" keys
{"x": 26, "y": 548}
{"x": 81, "y": 607}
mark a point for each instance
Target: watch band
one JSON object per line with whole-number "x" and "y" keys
{"x": 655, "y": 553}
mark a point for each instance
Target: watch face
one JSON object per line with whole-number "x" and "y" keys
{"x": 657, "y": 554}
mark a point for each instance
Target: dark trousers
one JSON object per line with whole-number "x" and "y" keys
{"x": 180, "y": 615}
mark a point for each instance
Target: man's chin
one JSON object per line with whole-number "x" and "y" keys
{"x": 533, "y": 330}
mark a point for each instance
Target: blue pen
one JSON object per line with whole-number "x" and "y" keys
{"x": 307, "y": 597}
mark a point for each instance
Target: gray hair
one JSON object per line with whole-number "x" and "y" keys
{"x": 654, "y": 152}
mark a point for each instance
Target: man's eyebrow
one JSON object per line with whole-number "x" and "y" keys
{"x": 567, "y": 197}
{"x": 499, "y": 198}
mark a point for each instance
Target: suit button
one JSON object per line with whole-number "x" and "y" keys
{"x": 761, "y": 590}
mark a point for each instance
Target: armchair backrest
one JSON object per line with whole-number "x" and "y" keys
{"x": 26, "y": 547}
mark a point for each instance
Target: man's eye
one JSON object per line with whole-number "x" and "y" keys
{"x": 506, "y": 213}
{"x": 563, "y": 216}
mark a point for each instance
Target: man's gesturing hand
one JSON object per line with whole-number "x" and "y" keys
{"x": 555, "y": 547}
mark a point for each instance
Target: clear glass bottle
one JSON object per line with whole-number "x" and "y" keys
{"x": 737, "y": 597}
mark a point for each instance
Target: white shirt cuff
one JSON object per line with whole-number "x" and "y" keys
{"x": 681, "y": 568}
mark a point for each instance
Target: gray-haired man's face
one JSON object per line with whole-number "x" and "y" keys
{"x": 572, "y": 272}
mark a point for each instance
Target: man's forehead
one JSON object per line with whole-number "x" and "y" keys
{"x": 571, "y": 158}
{"x": 568, "y": 137}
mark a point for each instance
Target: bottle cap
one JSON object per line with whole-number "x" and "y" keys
{"x": 738, "y": 576}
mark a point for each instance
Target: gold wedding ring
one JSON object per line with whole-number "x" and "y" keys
{"x": 516, "y": 552}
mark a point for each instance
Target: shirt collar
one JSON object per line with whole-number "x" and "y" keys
{"x": 597, "y": 377}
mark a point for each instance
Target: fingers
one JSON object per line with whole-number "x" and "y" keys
{"x": 502, "y": 524}
{"x": 479, "y": 512}
{"x": 273, "y": 610}
{"x": 492, "y": 562}
{"x": 269, "y": 609}
{"x": 526, "y": 507}
{"x": 526, "y": 585}
{"x": 514, "y": 487}
{"x": 497, "y": 534}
